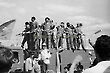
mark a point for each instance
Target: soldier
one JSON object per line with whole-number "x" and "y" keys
{"x": 26, "y": 34}
{"x": 38, "y": 38}
{"x": 52, "y": 33}
{"x": 45, "y": 30}
{"x": 67, "y": 35}
{"x": 60, "y": 31}
{"x": 70, "y": 37}
{"x": 74, "y": 36}
{"x": 79, "y": 36}
{"x": 33, "y": 24}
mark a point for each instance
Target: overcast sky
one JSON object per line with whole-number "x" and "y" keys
{"x": 94, "y": 14}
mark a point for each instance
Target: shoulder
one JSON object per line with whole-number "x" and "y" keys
{"x": 99, "y": 68}
{"x": 107, "y": 70}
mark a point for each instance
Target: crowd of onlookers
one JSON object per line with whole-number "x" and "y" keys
{"x": 101, "y": 63}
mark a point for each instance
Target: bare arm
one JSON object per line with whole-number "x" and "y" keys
{"x": 75, "y": 61}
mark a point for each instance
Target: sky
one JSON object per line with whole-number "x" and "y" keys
{"x": 94, "y": 14}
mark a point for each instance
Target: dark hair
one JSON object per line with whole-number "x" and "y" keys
{"x": 68, "y": 66}
{"x": 72, "y": 27}
{"x": 47, "y": 18}
{"x": 68, "y": 24}
{"x": 102, "y": 47}
{"x": 62, "y": 22}
{"x": 33, "y": 17}
{"x": 26, "y": 23}
{"x": 79, "y": 24}
{"x": 6, "y": 56}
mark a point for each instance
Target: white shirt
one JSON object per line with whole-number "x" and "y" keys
{"x": 36, "y": 65}
{"x": 28, "y": 64}
{"x": 99, "y": 68}
{"x": 45, "y": 54}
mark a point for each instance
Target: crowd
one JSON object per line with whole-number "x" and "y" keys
{"x": 58, "y": 37}
{"x": 54, "y": 36}
{"x": 102, "y": 61}
{"x": 41, "y": 38}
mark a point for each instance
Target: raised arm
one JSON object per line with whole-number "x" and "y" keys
{"x": 75, "y": 61}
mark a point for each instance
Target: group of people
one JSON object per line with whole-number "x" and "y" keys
{"x": 42, "y": 37}
{"x": 64, "y": 35}
{"x": 38, "y": 63}
{"x": 102, "y": 61}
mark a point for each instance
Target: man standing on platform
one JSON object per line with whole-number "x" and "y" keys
{"x": 26, "y": 34}
{"x": 33, "y": 26}
{"x": 79, "y": 36}
{"x": 45, "y": 30}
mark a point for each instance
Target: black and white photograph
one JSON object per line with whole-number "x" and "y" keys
{"x": 54, "y": 36}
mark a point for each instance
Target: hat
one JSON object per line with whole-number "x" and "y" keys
{"x": 26, "y": 23}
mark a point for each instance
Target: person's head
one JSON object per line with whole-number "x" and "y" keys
{"x": 102, "y": 47}
{"x": 68, "y": 67}
{"x": 6, "y": 56}
{"x": 68, "y": 24}
{"x": 33, "y": 19}
{"x": 27, "y": 25}
{"x": 65, "y": 69}
{"x": 62, "y": 24}
{"x": 72, "y": 27}
{"x": 47, "y": 19}
{"x": 79, "y": 25}
{"x": 51, "y": 21}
